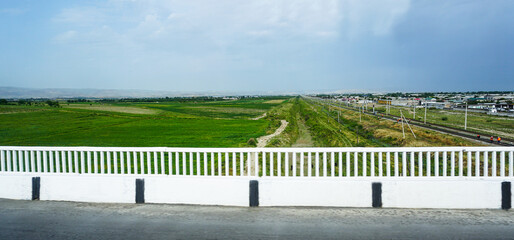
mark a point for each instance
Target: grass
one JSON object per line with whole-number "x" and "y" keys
{"x": 135, "y": 124}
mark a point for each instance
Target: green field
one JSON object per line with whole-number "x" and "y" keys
{"x": 169, "y": 124}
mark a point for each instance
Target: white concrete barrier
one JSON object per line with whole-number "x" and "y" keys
{"x": 314, "y": 192}
{"x": 16, "y": 187}
{"x": 228, "y": 191}
{"x": 437, "y": 193}
{"x": 93, "y": 188}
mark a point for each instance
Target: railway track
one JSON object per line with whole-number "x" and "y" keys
{"x": 436, "y": 127}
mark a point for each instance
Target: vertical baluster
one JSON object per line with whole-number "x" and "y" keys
{"x": 486, "y": 163}
{"x": 198, "y": 163}
{"x": 420, "y": 164}
{"x": 348, "y": 159}
{"x": 170, "y": 163}
{"x": 148, "y": 163}
{"x": 38, "y": 163}
{"x": 309, "y": 170}
{"x": 271, "y": 164}
{"x": 163, "y": 172}
{"x": 109, "y": 165}
{"x": 429, "y": 167}
{"x": 51, "y": 160}
{"x": 355, "y": 164}
{"x": 388, "y": 164}
{"x": 302, "y": 163}
{"x": 136, "y": 164}
{"x": 477, "y": 163}
{"x": 294, "y": 164}
{"x": 82, "y": 162}
{"x": 461, "y": 163}
{"x": 115, "y": 169}
{"x": 279, "y": 164}
{"x": 264, "y": 170}
{"x": 412, "y": 164}
{"x": 493, "y": 167}
{"x": 89, "y": 160}
{"x": 249, "y": 164}
{"x": 220, "y": 159}
{"x": 102, "y": 162}
{"x": 436, "y": 161}
{"x": 396, "y": 168}
{"x": 183, "y": 160}
{"x": 76, "y": 161}
{"x": 453, "y": 163}
{"x": 2, "y": 161}
{"x": 286, "y": 167}
{"x": 95, "y": 167}
{"x": 241, "y": 163}
{"x": 469, "y": 163}
{"x": 332, "y": 165}
{"x": 364, "y": 164}
{"x": 129, "y": 164}
{"x": 9, "y": 158}
{"x": 45, "y": 163}
{"x": 191, "y": 172}
{"x": 404, "y": 164}
{"x": 32, "y": 162}
{"x": 60, "y": 162}
{"x": 15, "y": 160}
{"x": 155, "y": 164}
{"x": 502, "y": 164}
{"x": 26, "y": 158}
{"x": 256, "y": 162}
{"x": 70, "y": 168}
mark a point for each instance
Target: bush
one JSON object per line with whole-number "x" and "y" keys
{"x": 252, "y": 142}
{"x": 444, "y": 118}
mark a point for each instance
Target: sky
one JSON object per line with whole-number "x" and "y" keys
{"x": 265, "y": 45}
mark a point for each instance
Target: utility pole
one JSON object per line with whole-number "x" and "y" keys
{"x": 360, "y": 113}
{"x": 425, "y": 113}
{"x": 401, "y": 117}
{"x": 466, "y": 117}
{"x": 414, "y": 117}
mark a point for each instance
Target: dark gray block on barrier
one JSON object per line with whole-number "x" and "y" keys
{"x": 506, "y": 195}
{"x": 254, "y": 193}
{"x": 140, "y": 191}
{"x": 376, "y": 189}
{"x": 36, "y": 186}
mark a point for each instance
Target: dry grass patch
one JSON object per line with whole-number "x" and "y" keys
{"x": 111, "y": 108}
{"x": 276, "y": 101}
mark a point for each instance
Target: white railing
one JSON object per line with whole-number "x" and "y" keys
{"x": 263, "y": 162}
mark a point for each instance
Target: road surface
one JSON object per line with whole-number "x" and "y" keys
{"x": 68, "y": 220}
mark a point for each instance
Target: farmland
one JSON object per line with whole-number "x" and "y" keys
{"x": 172, "y": 124}
{"x": 206, "y": 123}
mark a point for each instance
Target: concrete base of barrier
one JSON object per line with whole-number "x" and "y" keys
{"x": 110, "y": 189}
{"x": 442, "y": 194}
{"x": 228, "y": 191}
{"x": 16, "y": 187}
{"x": 329, "y": 192}
{"x": 424, "y": 192}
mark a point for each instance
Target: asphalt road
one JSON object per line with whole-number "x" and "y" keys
{"x": 68, "y": 220}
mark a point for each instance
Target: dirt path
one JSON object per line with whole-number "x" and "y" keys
{"x": 304, "y": 136}
{"x": 259, "y": 117}
{"x": 263, "y": 141}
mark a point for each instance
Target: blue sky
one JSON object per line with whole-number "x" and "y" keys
{"x": 267, "y": 45}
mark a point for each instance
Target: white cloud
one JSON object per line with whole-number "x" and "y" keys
{"x": 65, "y": 36}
